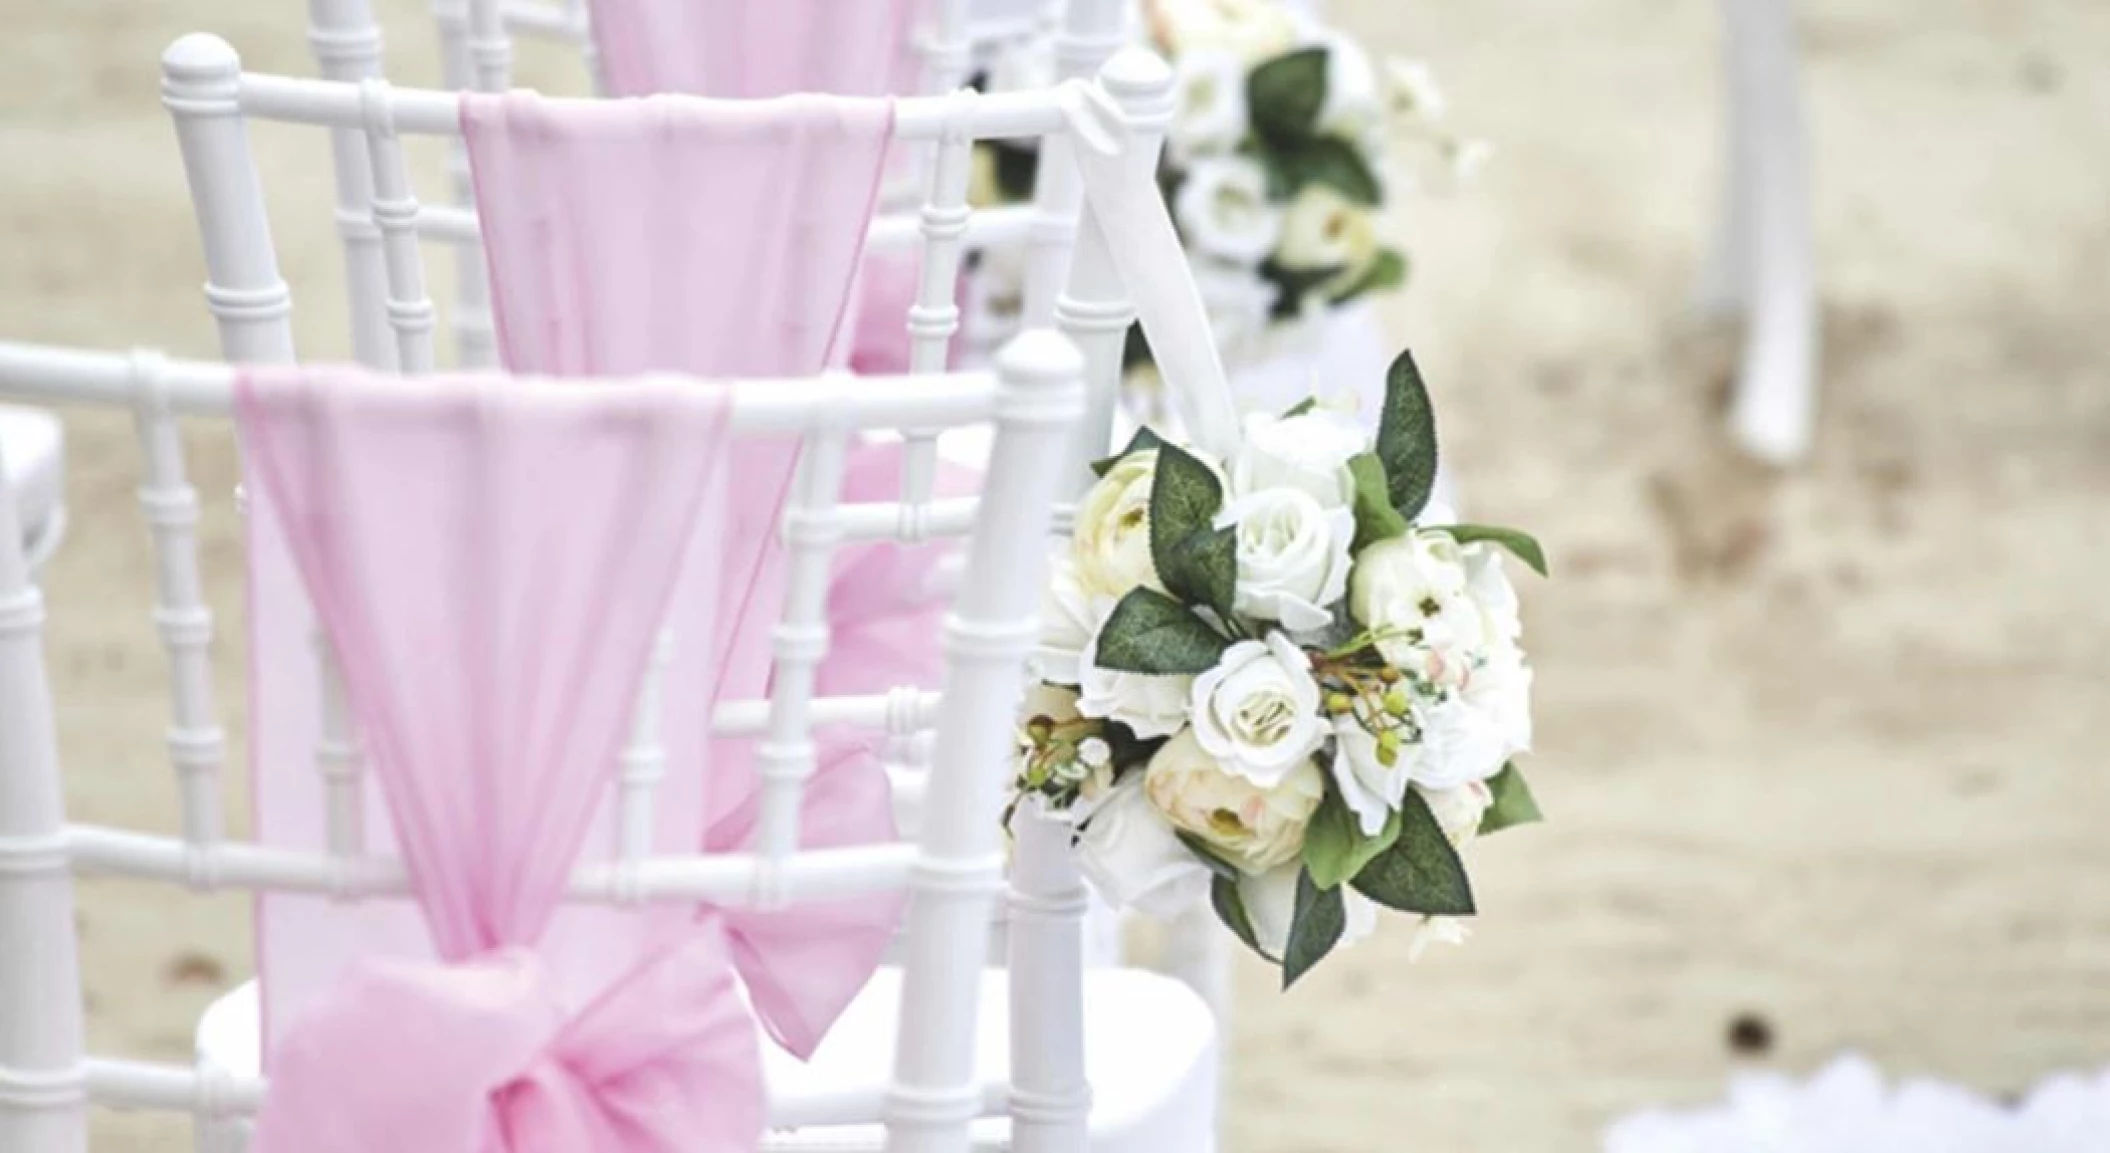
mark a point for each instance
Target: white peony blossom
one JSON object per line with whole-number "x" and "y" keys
{"x": 1255, "y": 828}
{"x": 1293, "y": 559}
{"x": 1404, "y": 584}
{"x": 1371, "y": 788}
{"x": 1133, "y": 856}
{"x": 1211, "y": 113}
{"x": 1251, "y": 30}
{"x": 1458, "y": 810}
{"x": 1257, "y": 711}
{"x": 1224, "y": 210}
{"x": 1308, "y": 452}
{"x": 1110, "y": 543}
{"x": 1459, "y": 743}
{"x": 1323, "y": 229}
{"x": 1069, "y": 616}
{"x": 1270, "y": 901}
{"x": 1152, "y": 706}
{"x": 1436, "y": 931}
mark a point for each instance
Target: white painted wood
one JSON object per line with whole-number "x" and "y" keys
{"x": 42, "y": 1099}
{"x": 395, "y": 213}
{"x": 960, "y": 861}
{"x": 1051, "y": 1098}
{"x": 475, "y": 337}
{"x": 1764, "y": 265}
{"x": 196, "y": 743}
{"x": 347, "y": 46}
{"x": 644, "y": 758}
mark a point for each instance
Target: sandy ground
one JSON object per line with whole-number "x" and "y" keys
{"x": 1820, "y": 746}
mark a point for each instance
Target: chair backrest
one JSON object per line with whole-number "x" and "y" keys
{"x": 476, "y": 52}
{"x": 953, "y": 872}
{"x": 1079, "y": 279}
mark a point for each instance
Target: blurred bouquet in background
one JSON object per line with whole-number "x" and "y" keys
{"x": 1288, "y": 141}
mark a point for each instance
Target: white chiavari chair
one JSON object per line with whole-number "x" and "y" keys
{"x": 33, "y": 447}
{"x": 1001, "y": 1055}
{"x": 1120, "y": 116}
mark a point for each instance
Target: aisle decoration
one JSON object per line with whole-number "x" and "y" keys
{"x": 1279, "y": 159}
{"x": 1283, "y": 682}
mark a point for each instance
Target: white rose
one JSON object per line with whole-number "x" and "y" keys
{"x": 1257, "y": 711}
{"x": 1436, "y": 931}
{"x": 1069, "y": 616}
{"x": 1458, "y": 810}
{"x": 1353, "y": 104}
{"x": 1211, "y": 115}
{"x": 1254, "y": 828}
{"x": 1459, "y": 743}
{"x": 1270, "y": 901}
{"x": 1152, "y": 706}
{"x": 1132, "y": 855}
{"x": 1323, "y": 229}
{"x": 1251, "y": 30}
{"x": 1224, "y": 210}
{"x": 1371, "y": 788}
{"x": 1404, "y": 584}
{"x": 1293, "y": 559}
{"x": 1110, "y": 544}
{"x": 1309, "y": 452}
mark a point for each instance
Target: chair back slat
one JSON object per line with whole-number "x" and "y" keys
{"x": 395, "y": 214}
{"x": 644, "y": 759}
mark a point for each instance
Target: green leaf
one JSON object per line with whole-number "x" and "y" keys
{"x": 1325, "y": 160}
{"x": 1335, "y": 848}
{"x": 1375, "y": 518}
{"x": 1144, "y": 439}
{"x": 1203, "y": 569}
{"x": 1388, "y": 271}
{"x": 1230, "y": 909}
{"x": 1285, "y": 94}
{"x": 1184, "y": 497}
{"x": 1150, "y": 633}
{"x": 1421, "y": 872}
{"x": 1520, "y": 544}
{"x": 1301, "y": 407}
{"x": 1315, "y": 927}
{"x": 1206, "y": 855}
{"x": 1406, "y": 437}
{"x": 1513, "y": 803}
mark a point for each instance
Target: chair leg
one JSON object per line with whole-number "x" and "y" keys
{"x": 1764, "y": 263}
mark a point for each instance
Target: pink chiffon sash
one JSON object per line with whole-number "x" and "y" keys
{"x": 749, "y": 49}
{"x": 492, "y": 617}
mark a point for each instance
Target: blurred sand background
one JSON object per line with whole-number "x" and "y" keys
{"x": 1820, "y": 747}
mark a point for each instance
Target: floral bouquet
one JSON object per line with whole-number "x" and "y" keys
{"x": 1277, "y": 162}
{"x": 1283, "y": 681}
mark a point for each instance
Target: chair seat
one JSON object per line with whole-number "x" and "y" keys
{"x": 1150, "y": 1051}
{"x": 33, "y": 447}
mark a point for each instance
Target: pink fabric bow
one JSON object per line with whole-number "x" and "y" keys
{"x": 481, "y": 1056}
{"x": 492, "y": 616}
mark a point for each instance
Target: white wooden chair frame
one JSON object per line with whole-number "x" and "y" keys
{"x": 47, "y": 1080}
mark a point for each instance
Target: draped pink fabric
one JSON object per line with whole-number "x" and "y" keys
{"x": 594, "y": 214}
{"x": 492, "y": 616}
{"x": 750, "y": 48}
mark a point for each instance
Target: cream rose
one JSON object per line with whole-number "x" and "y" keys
{"x": 1110, "y": 544}
{"x": 1293, "y": 560}
{"x": 1152, "y": 706}
{"x": 1270, "y": 901}
{"x": 1323, "y": 229}
{"x": 1253, "y": 827}
{"x": 1308, "y": 452}
{"x": 1257, "y": 711}
{"x": 1251, "y": 30}
{"x": 1132, "y": 855}
{"x": 1223, "y": 208}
